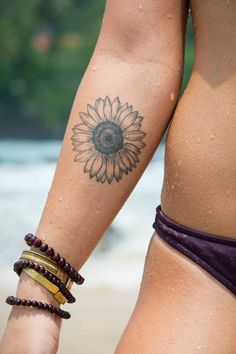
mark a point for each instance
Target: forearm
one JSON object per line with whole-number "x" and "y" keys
{"x": 79, "y": 208}
{"x": 82, "y": 202}
{"x": 143, "y": 69}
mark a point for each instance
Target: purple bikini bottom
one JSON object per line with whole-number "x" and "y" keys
{"x": 216, "y": 254}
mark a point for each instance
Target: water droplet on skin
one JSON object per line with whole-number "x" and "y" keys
{"x": 140, "y": 7}
{"x": 60, "y": 199}
{"x": 200, "y": 346}
{"x": 67, "y": 207}
{"x": 95, "y": 68}
{"x": 172, "y": 186}
{"x": 179, "y": 162}
{"x": 212, "y": 136}
{"x": 172, "y": 96}
{"x": 169, "y": 16}
{"x": 47, "y": 205}
{"x": 228, "y": 114}
{"x": 198, "y": 140}
{"x": 210, "y": 211}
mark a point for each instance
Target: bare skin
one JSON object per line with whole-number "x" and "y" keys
{"x": 201, "y": 146}
{"x": 138, "y": 59}
{"x": 181, "y": 308}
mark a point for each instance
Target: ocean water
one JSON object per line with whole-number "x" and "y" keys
{"x": 26, "y": 172}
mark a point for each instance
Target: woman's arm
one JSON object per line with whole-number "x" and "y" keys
{"x": 119, "y": 115}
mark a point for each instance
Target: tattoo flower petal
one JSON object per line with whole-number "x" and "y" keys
{"x": 108, "y": 140}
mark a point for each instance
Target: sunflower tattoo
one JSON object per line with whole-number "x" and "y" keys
{"x": 109, "y": 139}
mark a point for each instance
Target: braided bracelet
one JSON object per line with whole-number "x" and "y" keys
{"x": 34, "y": 241}
{"x": 12, "y": 300}
{"x": 23, "y": 263}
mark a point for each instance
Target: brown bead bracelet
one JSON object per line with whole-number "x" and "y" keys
{"x": 34, "y": 241}
{"x": 23, "y": 263}
{"x": 12, "y": 300}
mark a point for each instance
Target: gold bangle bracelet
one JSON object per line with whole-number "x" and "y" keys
{"x": 46, "y": 284}
{"x": 50, "y": 265}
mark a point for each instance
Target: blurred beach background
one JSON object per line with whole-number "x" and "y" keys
{"x": 45, "y": 47}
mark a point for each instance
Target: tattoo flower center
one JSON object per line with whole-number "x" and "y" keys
{"x": 107, "y": 138}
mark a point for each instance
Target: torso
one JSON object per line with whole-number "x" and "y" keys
{"x": 200, "y": 168}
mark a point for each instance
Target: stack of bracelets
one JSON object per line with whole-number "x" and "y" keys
{"x": 50, "y": 270}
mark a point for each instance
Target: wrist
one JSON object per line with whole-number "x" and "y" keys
{"x": 35, "y": 318}
{"x": 30, "y": 331}
{"x": 30, "y": 289}
{"x": 34, "y": 330}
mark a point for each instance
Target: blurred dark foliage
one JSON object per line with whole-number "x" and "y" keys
{"x": 45, "y": 47}
{"x": 189, "y": 53}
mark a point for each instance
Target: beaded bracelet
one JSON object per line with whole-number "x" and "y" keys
{"x": 32, "y": 240}
{"x": 23, "y": 263}
{"x": 45, "y": 275}
{"x": 12, "y": 300}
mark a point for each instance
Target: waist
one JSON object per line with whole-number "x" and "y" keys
{"x": 200, "y": 166}
{"x": 215, "y": 80}
{"x": 206, "y": 114}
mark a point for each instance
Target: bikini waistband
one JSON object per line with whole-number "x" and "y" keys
{"x": 215, "y": 254}
{"x": 163, "y": 219}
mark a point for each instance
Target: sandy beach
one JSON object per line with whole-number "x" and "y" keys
{"x": 98, "y": 319}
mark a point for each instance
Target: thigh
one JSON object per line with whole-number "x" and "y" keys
{"x": 180, "y": 309}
